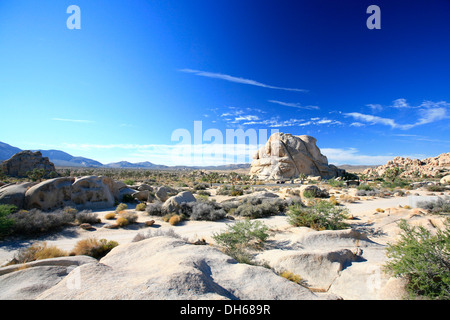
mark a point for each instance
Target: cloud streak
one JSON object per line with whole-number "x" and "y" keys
{"x": 294, "y": 105}
{"x": 229, "y": 78}
{"x": 72, "y": 120}
{"x": 427, "y": 112}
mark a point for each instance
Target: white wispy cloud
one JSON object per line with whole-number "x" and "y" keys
{"x": 427, "y": 112}
{"x": 73, "y": 120}
{"x": 229, "y": 78}
{"x": 275, "y": 122}
{"x": 294, "y": 105}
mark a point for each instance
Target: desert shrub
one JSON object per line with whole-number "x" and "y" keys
{"x": 121, "y": 207}
{"x": 229, "y": 191}
{"x": 205, "y": 210}
{"x": 157, "y": 233}
{"x": 35, "y": 221}
{"x": 292, "y": 277}
{"x": 364, "y": 187}
{"x": 200, "y": 186}
{"x": 141, "y": 207}
{"x": 439, "y": 206}
{"x": 86, "y": 216}
{"x": 175, "y": 219}
{"x": 110, "y": 216}
{"x": 93, "y": 247}
{"x": 436, "y": 188}
{"x": 237, "y": 192}
{"x": 423, "y": 259}
{"x": 37, "y": 251}
{"x": 126, "y": 218}
{"x": 6, "y": 222}
{"x": 122, "y": 222}
{"x": 367, "y": 193}
{"x": 333, "y": 200}
{"x": 254, "y": 207}
{"x": 203, "y": 193}
{"x": 240, "y": 236}
{"x": 336, "y": 183}
{"x": 322, "y": 215}
{"x": 155, "y": 209}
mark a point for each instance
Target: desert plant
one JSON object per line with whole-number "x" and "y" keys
{"x": 436, "y": 188}
{"x": 175, "y": 219}
{"x": 204, "y": 210}
{"x": 292, "y": 277}
{"x": 423, "y": 259}
{"x": 322, "y": 215}
{"x": 121, "y": 207}
{"x": 6, "y": 222}
{"x": 439, "y": 206}
{"x": 110, "y": 216}
{"x": 336, "y": 183}
{"x": 37, "y": 251}
{"x": 93, "y": 247}
{"x": 35, "y": 221}
{"x": 155, "y": 209}
{"x": 241, "y": 235}
{"x": 364, "y": 187}
{"x": 122, "y": 222}
{"x": 86, "y": 216}
{"x": 141, "y": 207}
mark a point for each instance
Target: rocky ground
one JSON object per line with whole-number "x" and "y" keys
{"x": 345, "y": 264}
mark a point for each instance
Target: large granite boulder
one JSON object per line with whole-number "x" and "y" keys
{"x": 15, "y": 193}
{"x": 285, "y": 156}
{"x": 22, "y": 162}
{"x": 173, "y": 204}
{"x": 90, "y": 192}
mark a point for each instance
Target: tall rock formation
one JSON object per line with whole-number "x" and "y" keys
{"x": 285, "y": 156}
{"x": 22, "y": 162}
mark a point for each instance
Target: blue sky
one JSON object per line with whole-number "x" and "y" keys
{"x": 138, "y": 71}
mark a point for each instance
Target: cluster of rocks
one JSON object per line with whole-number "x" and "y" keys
{"x": 286, "y": 156}
{"x": 89, "y": 192}
{"x": 429, "y": 167}
{"x": 25, "y": 161}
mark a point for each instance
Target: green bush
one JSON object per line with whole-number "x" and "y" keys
{"x": 6, "y": 222}
{"x": 240, "y": 236}
{"x": 423, "y": 259}
{"x": 364, "y": 187}
{"x": 322, "y": 215}
{"x": 336, "y": 183}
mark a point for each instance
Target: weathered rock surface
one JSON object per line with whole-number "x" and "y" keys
{"x": 15, "y": 194}
{"x": 90, "y": 192}
{"x": 285, "y": 156}
{"x": 24, "y": 282}
{"x": 22, "y": 162}
{"x": 169, "y": 268}
{"x": 174, "y": 203}
{"x": 429, "y": 167}
{"x": 323, "y": 258}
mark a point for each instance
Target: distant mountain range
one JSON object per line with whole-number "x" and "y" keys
{"x": 63, "y": 159}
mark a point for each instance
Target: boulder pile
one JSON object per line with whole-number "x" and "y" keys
{"x": 286, "y": 156}
{"x": 429, "y": 167}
